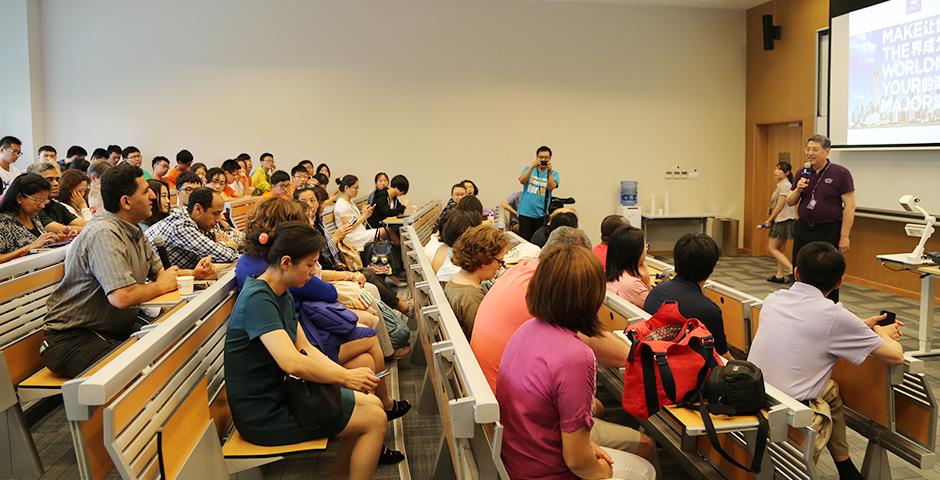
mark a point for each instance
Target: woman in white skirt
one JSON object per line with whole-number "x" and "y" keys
{"x": 345, "y": 212}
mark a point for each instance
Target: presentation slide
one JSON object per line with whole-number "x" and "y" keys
{"x": 885, "y": 76}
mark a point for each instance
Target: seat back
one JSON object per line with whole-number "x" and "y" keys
{"x": 121, "y": 404}
{"x": 24, "y": 289}
{"x": 866, "y": 389}
{"x": 735, "y": 312}
{"x": 25, "y": 286}
{"x": 238, "y": 211}
{"x": 915, "y": 410}
{"x": 187, "y": 443}
{"x": 427, "y": 218}
{"x": 460, "y": 390}
{"x": 616, "y": 313}
{"x": 132, "y": 420}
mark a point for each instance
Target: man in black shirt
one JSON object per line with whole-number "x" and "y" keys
{"x": 386, "y": 201}
{"x": 55, "y": 212}
{"x": 695, "y": 256}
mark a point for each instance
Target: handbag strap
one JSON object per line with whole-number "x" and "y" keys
{"x": 548, "y": 198}
{"x": 650, "y": 361}
{"x": 763, "y": 428}
{"x": 706, "y": 349}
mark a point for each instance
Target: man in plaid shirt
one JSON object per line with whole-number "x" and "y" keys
{"x": 190, "y": 233}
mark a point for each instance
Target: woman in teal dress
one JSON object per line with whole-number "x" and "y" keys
{"x": 263, "y": 343}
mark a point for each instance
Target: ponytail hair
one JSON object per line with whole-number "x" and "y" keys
{"x": 346, "y": 181}
{"x": 296, "y": 240}
{"x": 786, "y": 168}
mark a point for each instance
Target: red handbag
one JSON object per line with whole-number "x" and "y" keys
{"x": 670, "y": 356}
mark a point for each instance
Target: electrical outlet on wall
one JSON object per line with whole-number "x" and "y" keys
{"x": 668, "y": 174}
{"x": 684, "y": 174}
{"x": 693, "y": 174}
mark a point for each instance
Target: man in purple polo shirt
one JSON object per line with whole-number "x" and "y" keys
{"x": 801, "y": 336}
{"x": 827, "y": 201}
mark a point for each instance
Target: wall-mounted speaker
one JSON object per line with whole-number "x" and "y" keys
{"x": 771, "y": 32}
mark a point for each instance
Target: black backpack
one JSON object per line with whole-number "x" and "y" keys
{"x": 733, "y": 389}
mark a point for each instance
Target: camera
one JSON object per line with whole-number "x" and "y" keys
{"x": 543, "y": 162}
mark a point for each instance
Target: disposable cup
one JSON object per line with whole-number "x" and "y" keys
{"x": 185, "y": 284}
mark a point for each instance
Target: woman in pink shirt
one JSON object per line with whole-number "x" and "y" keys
{"x": 627, "y": 274}
{"x": 545, "y": 385}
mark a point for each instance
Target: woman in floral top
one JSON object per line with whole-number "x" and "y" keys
{"x": 20, "y": 229}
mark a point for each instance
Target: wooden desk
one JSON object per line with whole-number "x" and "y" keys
{"x": 929, "y": 275}
{"x": 394, "y": 221}
{"x": 166, "y": 300}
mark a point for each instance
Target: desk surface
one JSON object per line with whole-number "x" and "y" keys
{"x": 394, "y": 221}
{"x": 166, "y": 300}
{"x": 926, "y": 269}
{"x": 667, "y": 216}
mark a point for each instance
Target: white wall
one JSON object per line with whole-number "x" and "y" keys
{"x": 21, "y": 75}
{"x": 437, "y": 90}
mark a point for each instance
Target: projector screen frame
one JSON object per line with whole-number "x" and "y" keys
{"x": 844, "y": 7}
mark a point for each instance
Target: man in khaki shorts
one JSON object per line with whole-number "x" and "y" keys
{"x": 801, "y": 336}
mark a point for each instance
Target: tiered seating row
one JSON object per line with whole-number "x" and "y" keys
{"x": 454, "y": 381}
{"x": 162, "y": 401}
{"x": 891, "y": 405}
{"x": 25, "y": 284}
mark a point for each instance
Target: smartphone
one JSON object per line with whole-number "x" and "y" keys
{"x": 351, "y": 222}
{"x": 383, "y": 373}
{"x": 887, "y": 321}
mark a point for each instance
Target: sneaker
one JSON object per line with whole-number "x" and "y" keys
{"x": 776, "y": 279}
{"x": 411, "y": 308}
{"x": 394, "y": 282}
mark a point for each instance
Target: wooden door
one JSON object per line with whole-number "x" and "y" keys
{"x": 784, "y": 143}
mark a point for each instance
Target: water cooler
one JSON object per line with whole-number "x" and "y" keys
{"x": 628, "y": 207}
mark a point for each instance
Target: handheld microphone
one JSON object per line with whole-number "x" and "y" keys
{"x": 160, "y": 243}
{"x": 807, "y": 170}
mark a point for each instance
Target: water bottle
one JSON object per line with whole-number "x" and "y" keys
{"x": 628, "y": 193}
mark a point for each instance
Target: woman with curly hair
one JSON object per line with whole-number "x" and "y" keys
{"x": 73, "y": 188}
{"x": 479, "y": 253}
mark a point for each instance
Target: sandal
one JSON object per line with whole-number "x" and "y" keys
{"x": 399, "y": 408}
{"x": 390, "y": 457}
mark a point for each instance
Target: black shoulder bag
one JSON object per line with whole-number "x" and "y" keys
{"x": 312, "y": 403}
{"x": 733, "y": 389}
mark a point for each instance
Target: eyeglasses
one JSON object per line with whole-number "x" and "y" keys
{"x": 502, "y": 263}
{"x": 39, "y": 201}
{"x": 15, "y": 153}
{"x": 187, "y": 189}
